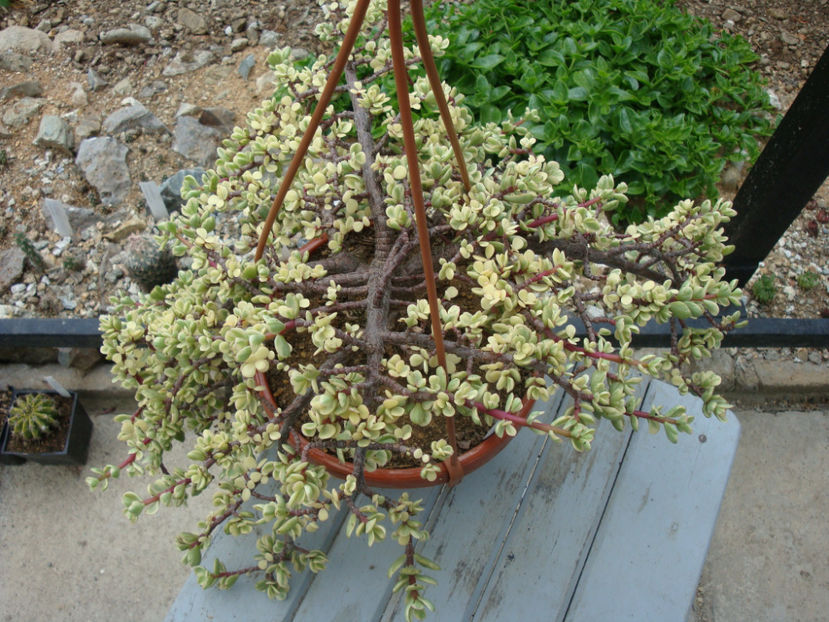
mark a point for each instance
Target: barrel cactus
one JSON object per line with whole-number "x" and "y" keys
{"x": 148, "y": 263}
{"x": 33, "y": 416}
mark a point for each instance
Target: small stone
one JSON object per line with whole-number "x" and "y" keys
{"x": 777, "y": 13}
{"x": 187, "y": 109}
{"x": 299, "y": 53}
{"x": 87, "y": 126}
{"x": 68, "y": 301}
{"x": 104, "y": 164}
{"x": 788, "y": 38}
{"x": 21, "y": 39}
{"x": 264, "y": 82}
{"x": 133, "y": 117}
{"x": 732, "y": 15}
{"x": 732, "y": 175}
{"x": 60, "y": 219}
{"x": 22, "y": 111}
{"x": 191, "y": 20}
{"x": 96, "y": 82}
{"x": 30, "y": 88}
{"x": 185, "y": 62}
{"x": 246, "y": 65}
{"x": 171, "y": 187}
{"x": 238, "y": 44}
{"x": 78, "y": 97}
{"x": 774, "y": 100}
{"x": 135, "y": 35}
{"x": 252, "y": 33}
{"x": 11, "y": 266}
{"x": 155, "y": 203}
{"x": 152, "y": 89}
{"x": 133, "y": 225}
{"x": 69, "y": 37}
{"x": 83, "y": 359}
{"x": 54, "y": 133}
{"x": 195, "y": 141}
{"x": 153, "y": 22}
{"x": 268, "y": 38}
{"x": 218, "y": 117}
{"x": 12, "y": 61}
{"x": 122, "y": 87}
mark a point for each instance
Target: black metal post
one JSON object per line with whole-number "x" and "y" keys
{"x": 787, "y": 174}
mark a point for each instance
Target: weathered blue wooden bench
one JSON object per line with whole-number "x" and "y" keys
{"x": 540, "y": 533}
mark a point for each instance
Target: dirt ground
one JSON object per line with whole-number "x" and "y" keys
{"x": 788, "y": 36}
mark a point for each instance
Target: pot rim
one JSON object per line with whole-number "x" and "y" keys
{"x": 409, "y": 477}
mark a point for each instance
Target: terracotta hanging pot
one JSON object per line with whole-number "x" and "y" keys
{"x": 470, "y": 460}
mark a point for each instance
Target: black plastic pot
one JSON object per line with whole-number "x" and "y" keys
{"x": 75, "y": 449}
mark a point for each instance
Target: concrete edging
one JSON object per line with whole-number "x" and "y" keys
{"x": 754, "y": 379}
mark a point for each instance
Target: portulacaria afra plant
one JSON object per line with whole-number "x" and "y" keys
{"x": 335, "y": 320}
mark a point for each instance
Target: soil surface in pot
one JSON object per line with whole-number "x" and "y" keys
{"x": 55, "y": 442}
{"x": 467, "y": 432}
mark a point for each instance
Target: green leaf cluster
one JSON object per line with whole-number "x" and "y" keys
{"x": 632, "y": 88}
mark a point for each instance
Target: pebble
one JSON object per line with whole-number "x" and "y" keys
{"x": 134, "y": 35}
{"x": 195, "y": 141}
{"x": 96, "y": 81}
{"x": 238, "y": 44}
{"x": 103, "y": 161}
{"x": 22, "y": 111}
{"x": 133, "y": 117}
{"x": 55, "y": 133}
{"x": 13, "y": 61}
{"x": 78, "y": 97}
{"x": 184, "y": 62}
{"x": 246, "y": 65}
{"x": 192, "y": 21}
{"x": 788, "y": 38}
{"x": 30, "y": 88}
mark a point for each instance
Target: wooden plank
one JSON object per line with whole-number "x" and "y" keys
{"x": 540, "y": 562}
{"x": 244, "y": 602}
{"x": 648, "y": 553}
{"x": 468, "y": 528}
{"x": 355, "y": 585}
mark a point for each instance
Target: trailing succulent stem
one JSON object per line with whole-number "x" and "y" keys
{"x": 326, "y": 304}
{"x": 33, "y": 416}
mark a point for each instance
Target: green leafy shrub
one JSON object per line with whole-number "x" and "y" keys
{"x": 764, "y": 289}
{"x": 808, "y": 280}
{"x": 634, "y": 88}
{"x": 33, "y": 416}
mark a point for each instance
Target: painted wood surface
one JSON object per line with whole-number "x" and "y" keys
{"x": 650, "y": 548}
{"x": 539, "y": 533}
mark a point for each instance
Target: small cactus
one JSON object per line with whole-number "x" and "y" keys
{"x": 147, "y": 263}
{"x": 32, "y": 254}
{"x": 33, "y": 416}
{"x": 74, "y": 262}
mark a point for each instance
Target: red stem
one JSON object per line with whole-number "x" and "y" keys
{"x": 313, "y": 124}
{"x": 401, "y": 79}
{"x": 504, "y": 415}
